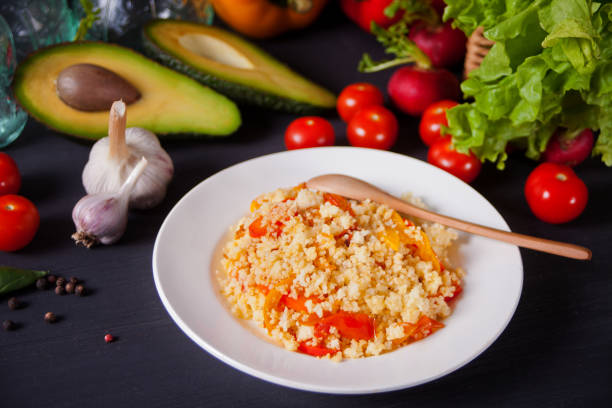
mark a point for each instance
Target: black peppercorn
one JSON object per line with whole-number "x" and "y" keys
{"x": 69, "y": 287}
{"x": 8, "y": 325}
{"x": 51, "y": 279}
{"x": 59, "y": 290}
{"x": 80, "y": 290}
{"x": 50, "y": 317}
{"x": 60, "y": 281}
{"x": 13, "y": 303}
{"x": 74, "y": 280}
{"x": 41, "y": 284}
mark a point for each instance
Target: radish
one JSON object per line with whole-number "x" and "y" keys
{"x": 443, "y": 44}
{"x": 569, "y": 148}
{"x": 439, "y": 6}
{"x": 414, "y": 89}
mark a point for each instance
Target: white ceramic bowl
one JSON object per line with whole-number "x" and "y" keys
{"x": 188, "y": 241}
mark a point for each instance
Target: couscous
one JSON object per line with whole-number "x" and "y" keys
{"x": 337, "y": 278}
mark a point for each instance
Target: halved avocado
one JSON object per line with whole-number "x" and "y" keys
{"x": 169, "y": 103}
{"x": 233, "y": 66}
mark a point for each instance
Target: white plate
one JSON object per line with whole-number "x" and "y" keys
{"x": 184, "y": 276}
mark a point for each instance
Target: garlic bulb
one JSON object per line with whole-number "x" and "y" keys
{"x": 112, "y": 159}
{"x": 102, "y": 217}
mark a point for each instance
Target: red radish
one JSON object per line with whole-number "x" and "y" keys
{"x": 439, "y": 5}
{"x": 363, "y": 12}
{"x": 443, "y": 44}
{"x": 569, "y": 148}
{"x": 413, "y": 89}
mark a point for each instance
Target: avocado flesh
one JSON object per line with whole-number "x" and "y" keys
{"x": 233, "y": 66}
{"x": 170, "y": 102}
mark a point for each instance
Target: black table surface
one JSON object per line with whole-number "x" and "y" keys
{"x": 556, "y": 351}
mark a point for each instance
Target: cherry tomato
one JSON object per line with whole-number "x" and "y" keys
{"x": 19, "y": 222}
{"x": 372, "y": 126}
{"x": 316, "y": 351}
{"x": 442, "y": 155}
{"x": 357, "y": 96}
{"x": 357, "y": 326}
{"x": 555, "y": 193}
{"x": 433, "y": 118}
{"x": 309, "y": 131}
{"x": 10, "y": 179}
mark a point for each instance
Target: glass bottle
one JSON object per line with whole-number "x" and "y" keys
{"x": 12, "y": 117}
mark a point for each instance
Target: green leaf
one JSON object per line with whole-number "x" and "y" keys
{"x": 395, "y": 40}
{"x": 551, "y": 67}
{"x": 14, "y": 278}
{"x": 91, "y": 16}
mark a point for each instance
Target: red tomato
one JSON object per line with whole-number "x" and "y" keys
{"x": 464, "y": 166}
{"x": 357, "y": 326}
{"x": 372, "y": 126}
{"x": 309, "y": 131}
{"x": 457, "y": 292}
{"x": 555, "y": 193}
{"x": 317, "y": 351}
{"x": 434, "y": 117}
{"x": 298, "y": 304}
{"x": 19, "y": 222}
{"x": 10, "y": 179}
{"x": 357, "y": 96}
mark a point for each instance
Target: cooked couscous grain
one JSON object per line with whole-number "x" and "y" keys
{"x": 337, "y": 278}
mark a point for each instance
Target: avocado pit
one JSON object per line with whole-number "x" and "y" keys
{"x": 214, "y": 49}
{"x": 91, "y": 88}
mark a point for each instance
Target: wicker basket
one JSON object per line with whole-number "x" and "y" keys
{"x": 477, "y": 48}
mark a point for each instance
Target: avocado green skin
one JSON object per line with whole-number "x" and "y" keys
{"x": 239, "y": 93}
{"x": 83, "y": 134}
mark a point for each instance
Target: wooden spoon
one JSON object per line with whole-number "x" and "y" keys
{"x": 360, "y": 190}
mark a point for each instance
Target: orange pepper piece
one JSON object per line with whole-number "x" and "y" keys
{"x": 257, "y": 228}
{"x": 339, "y": 202}
{"x": 421, "y": 329}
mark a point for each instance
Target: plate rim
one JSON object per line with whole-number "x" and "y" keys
{"x": 301, "y": 385}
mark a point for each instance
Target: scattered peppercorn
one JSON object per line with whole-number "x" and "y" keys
{"x": 59, "y": 290}
{"x": 13, "y": 303}
{"x": 79, "y": 290}
{"x": 74, "y": 280}
{"x": 51, "y": 279}
{"x": 50, "y": 317}
{"x": 69, "y": 287}
{"x": 109, "y": 338}
{"x": 9, "y": 325}
{"x": 60, "y": 281}
{"x": 41, "y": 284}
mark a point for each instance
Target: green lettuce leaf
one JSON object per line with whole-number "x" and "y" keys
{"x": 550, "y": 67}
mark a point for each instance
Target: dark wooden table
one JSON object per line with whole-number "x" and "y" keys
{"x": 555, "y": 352}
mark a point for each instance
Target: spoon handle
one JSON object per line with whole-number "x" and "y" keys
{"x": 525, "y": 241}
{"x": 360, "y": 190}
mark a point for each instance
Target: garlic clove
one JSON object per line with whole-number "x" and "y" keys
{"x": 102, "y": 217}
{"x": 112, "y": 158}
{"x": 151, "y": 187}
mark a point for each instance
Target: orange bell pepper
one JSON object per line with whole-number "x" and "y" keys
{"x": 267, "y": 18}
